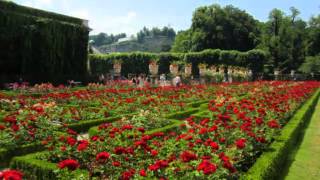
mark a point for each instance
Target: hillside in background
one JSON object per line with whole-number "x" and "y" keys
{"x": 150, "y": 44}
{"x": 146, "y": 40}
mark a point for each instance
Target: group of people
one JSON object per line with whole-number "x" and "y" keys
{"x": 142, "y": 80}
{"x": 139, "y": 80}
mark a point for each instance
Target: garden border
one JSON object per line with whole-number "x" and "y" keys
{"x": 39, "y": 169}
{"x": 270, "y": 162}
{"x": 7, "y": 154}
{"x": 265, "y": 167}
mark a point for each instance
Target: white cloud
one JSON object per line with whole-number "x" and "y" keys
{"x": 126, "y": 22}
{"x": 81, "y": 13}
{"x": 37, "y": 3}
{"x": 116, "y": 24}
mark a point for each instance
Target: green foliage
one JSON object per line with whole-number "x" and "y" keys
{"x": 154, "y": 44}
{"x": 12, "y": 7}
{"x": 215, "y": 27}
{"x": 35, "y": 168}
{"x": 314, "y": 36}
{"x": 6, "y": 154}
{"x": 40, "y": 46}
{"x": 154, "y": 32}
{"x": 270, "y": 162}
{"x": 182, "y": 42}
{"x": 311, "y": 65}
{"x": 183, "y": 114}
{"x": 83, "y": 126}
{"x": 137, "y": 62}
{"x": 285, "y": 39}
{"x": 105, "y": 39}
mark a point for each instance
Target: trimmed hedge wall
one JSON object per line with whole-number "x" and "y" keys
{"x": 36, "y": 169}
{"x": 137, "y": 62}
{"x": 83, "y": 126}
{"x": 10, "y": 6}
{"x": 266, "y": 167}
{"x": 271, "y": 162}
{"x": 6, "y": 155}
{"x": 40, "y": 46}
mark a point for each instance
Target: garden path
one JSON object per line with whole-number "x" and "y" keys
{"x": 306, "y": 163}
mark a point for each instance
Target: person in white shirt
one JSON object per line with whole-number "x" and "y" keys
{"x": 177, "y": 81}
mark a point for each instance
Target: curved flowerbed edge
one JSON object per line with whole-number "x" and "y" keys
{"x": 270, "y": 164}
{"x": 6, "y": 155}
{"x": 34, "y": 168}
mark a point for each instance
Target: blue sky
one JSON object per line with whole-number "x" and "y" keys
{"x": 129, "y": 16}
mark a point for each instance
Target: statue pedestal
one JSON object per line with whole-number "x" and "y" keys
{"x": 117, "y": 76}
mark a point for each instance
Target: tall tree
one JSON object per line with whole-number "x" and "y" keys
{"x": 223, "y": 28}
{"x": 284, "y": 37}
{"x": 314, "y": 36}
{"x": 182, "y": 42}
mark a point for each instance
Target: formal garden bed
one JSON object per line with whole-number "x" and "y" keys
{"x": 223, "y": 131}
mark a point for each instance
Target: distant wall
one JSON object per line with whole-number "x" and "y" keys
{"x": 41, "y": 46}
{"x": 137, "y": 62}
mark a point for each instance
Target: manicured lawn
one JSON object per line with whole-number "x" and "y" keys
{"x": 306, "y": 164}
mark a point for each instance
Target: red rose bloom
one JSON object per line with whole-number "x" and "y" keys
{"x": 229, "y": 166}
{"x": 116, "y": 163}
{"x": 214, "y": 145}
{"x": 207, "y": 167}
{"x": 119, "y": 150}
{"x": 83, "y": 144}
{"x": 94, "y": 138}
{"x": 2, "y": 127}
{"x": 158, "y": 165}
{"x": 259, "y": 121}
{"x": 187, "y": 156}
{"x": 71, "y": 141}
{"x": 15, "y": 127}
{"x": 273, "y": 124}
{"x": 71, "y": 132}
{"x": 143, "y": 173}
{"x": 10, "y": 119}
{"x": 102, "y": 157}
{"x": 39, "y": 109}
{"x": 241, "y": 143}
{"x": 11, "y": 175}
{"x": 128, "y": 174}
{"x": 154, "y": 152}
{"x": 71, "y": 164}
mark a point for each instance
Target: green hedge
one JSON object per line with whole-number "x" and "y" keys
{"x": 174, "y": 117}
{"x": 271, "y": 162}
{"x": 83, "y": 126}
{"x": 40, "y": 46}
{"x": 13, "y": 7}
{"x": 172, "y": 127}
{"x": 6, "y": 155}
{"x": 183, "y": 114}
{"x": 175, "y": 124}
{"x": 36, "y": 169}
{"x": 198, "y": 103}
{"x": 137, "y": 62}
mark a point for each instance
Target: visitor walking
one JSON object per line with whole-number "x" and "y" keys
{"x": 102, "y": 79}
{"x": 177, "y": 81}
{"x": 140, "y": 81}
{"x": 162, "y": 79}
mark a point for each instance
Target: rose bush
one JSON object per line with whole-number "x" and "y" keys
{"x": 243, "y": 121}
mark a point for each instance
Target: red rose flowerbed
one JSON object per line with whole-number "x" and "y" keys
{"x": 221, "y": 140}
